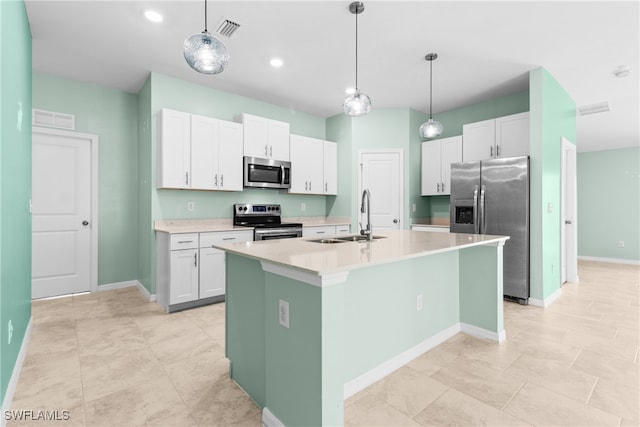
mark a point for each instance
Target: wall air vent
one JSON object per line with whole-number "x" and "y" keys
{"x": 53, "y": 119}
{"x": 227, "y": 27}
{"x": 599, "y": 107}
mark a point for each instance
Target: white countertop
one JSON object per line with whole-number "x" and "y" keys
{"x": 177, "y": 226}
{"x": 321, "y": 259}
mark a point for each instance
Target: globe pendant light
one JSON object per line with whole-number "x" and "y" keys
{"x": 431, "y": 128}
{"x": 205, "y": 53}
{"x": 356, "y": 104}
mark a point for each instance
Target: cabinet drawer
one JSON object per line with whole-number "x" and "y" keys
{"x": 218, "y": 237}
{"x": 430, "y": 228}
{"x": 325, "y": 230}
{"x": 184, "y": 241}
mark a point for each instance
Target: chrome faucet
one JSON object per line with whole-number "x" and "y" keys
{"x": 366, "y": 196}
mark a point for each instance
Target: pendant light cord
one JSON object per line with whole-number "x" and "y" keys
{"x": 431, "y": 89}
{"x": 205, "y": 16}
{"x": 356, "y": 48}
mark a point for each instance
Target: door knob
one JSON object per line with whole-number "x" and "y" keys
{"x": 566, "y": 221}
{"x": 85, "y": 222}
{"x": 395, "y": 220}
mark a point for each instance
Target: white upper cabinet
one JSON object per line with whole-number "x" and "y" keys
{"x": 437, "y": 156}
{"x": 501, "y": 137}
{"x": 307, "y": 165}
{"x": 197, "y": 152}
{"x": 330, "y": 168}
{"x": 174, "y": 149}
{"x": 265, "y": 138}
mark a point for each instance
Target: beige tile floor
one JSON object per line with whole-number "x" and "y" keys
{"x": 112, "y": 359}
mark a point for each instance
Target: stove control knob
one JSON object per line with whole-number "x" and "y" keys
{"x": 277, "y": 208}
{"x": 244, "y": 208}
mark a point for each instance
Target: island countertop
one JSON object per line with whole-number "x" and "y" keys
{"x": 323, "y": 258}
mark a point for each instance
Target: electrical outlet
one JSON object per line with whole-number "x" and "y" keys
{"x": 284, "y": 313}
{"x": 413, "y": 207}
{"x": 191, "y": 206}
{"x": 9, "y": 332}
{"x": 419, "y": 302}
{"x": 549, "y": 207}
{"x": 621, "y": 243}
{"x": 303, "y": 207}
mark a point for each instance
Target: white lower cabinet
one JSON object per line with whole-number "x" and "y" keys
{"x": 435, "y": 229}
{"x": 325, "y": 230}
{"x": 190, "y": 271}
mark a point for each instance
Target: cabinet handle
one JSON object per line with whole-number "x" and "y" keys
{"x": 442, "y": 186}
{"x": 309, "y": 185}
{"x": 185, "y": 241}
{"x": 221, "y": 180}
{"x": 491, "y": 151}
{"x": 228, "y": 238}
{"x": 326, "y": 186}
{"x": 266, "y": 152}
{"x": 186, "y": 178}
{"x": 271, "y": 151}
{"x": 195, "y": 259}
{"x": 215, "y": 180}
{"x": 320, "y": 232}
{"x": 306, "y": 186}
{"x": 438, "y": 187}
{"x": 497, "y": 151}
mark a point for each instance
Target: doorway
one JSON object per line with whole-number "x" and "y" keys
{"x": 381, "y": 171}
{"x": 64, "y": 212}
{"x": 568, "y": 216}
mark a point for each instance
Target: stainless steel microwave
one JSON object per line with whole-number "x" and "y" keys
{"x": 266, "y": 173}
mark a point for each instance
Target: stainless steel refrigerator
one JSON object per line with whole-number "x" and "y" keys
{"x": 492, "y": 197}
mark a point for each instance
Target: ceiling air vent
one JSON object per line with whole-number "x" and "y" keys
{"x": 227, "y": 28}
{"x": 599, "y": 107}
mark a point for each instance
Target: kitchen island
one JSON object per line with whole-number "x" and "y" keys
{"x": 310, "y": 323}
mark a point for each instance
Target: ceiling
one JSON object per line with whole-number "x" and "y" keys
{"x": 485, "y": 49}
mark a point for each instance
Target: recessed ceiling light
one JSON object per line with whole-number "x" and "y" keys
{"x": 622, "y": 71}
{"x": 350, "y": 90}
{"x": 276, "y": 62}
{"x": 153, "y": 16}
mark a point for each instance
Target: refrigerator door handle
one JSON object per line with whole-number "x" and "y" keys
{"x": 476, "y": 226}
{"x": 483, "y": 217}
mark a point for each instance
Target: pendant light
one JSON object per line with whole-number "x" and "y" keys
{"x": 205, "y": 53}
{"x": 431, "y": 128}
{"x": 356, "y": 104}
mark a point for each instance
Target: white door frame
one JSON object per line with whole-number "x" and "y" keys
{"x": 568, "y": 201}
{"x": 93, "y": 148}
{"x": 400, "y": 153}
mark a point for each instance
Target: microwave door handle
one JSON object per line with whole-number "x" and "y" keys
{"x": 282, "y": 174}
{"x": 483, "y": 217}
{"x": 476, "y": 226}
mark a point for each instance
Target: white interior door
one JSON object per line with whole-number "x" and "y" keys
{"x": 381, "y": 173}
{"x": 568, "y": 224}
{"x": 61, "y": 213}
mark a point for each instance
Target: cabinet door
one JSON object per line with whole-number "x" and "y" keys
{"x": 204, "y": 152}
{"x": 230, "y": 157}
{"x": 330, "y": 168}
{"x": 450, "y": 152}
{"x": 255, "y": 136}
{"x": 212, "y": 272}
{"x": 183, "y": 284}
{"x": 299, "y": 178}
{"x": 478, "y": 140}
{"x": 431, "y": 168}
{"x": 278, "y": 140}
{"x": 315, "y": 165}
{"x": 512, "y": 135}
{"x": 174, "y": 152}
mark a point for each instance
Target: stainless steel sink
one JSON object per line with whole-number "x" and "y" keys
{"x": 326, "y": 241}
{"x": 358, "y": 238}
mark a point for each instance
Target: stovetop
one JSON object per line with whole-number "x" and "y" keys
{"x": 259, "y": 216}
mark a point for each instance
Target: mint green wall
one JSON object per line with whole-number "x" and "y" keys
{"x": 339, "y": 130}
{"x": 553, "y": 116}
{"x": 146, "y": 243}
{"x": 15, "y": 184}
{"x": 422, "y": 204}
{"x": 453, "y": 120}
{"x": 112, "y": 115}
{"x": 609, "y": 203}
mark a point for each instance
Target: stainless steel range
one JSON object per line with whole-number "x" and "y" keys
{"x": 265, "y": 219}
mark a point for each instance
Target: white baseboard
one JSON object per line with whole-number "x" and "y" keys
{"x": 13, "y": 381}
{"x": 270, "y": 420}
{"x": 384, "y": 369}
{"x": 547, "y": 301}
{"x": 484, "y": 334}
{"x": 145, "y": 293}
{"x": 611, "y": 260}
{"x": 117, "y": 285}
